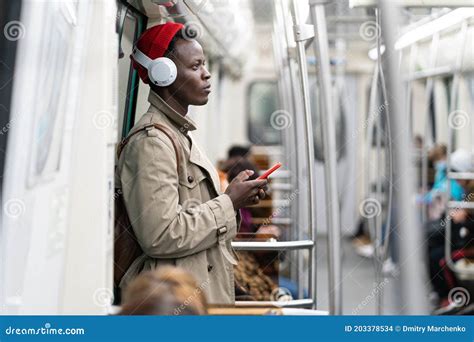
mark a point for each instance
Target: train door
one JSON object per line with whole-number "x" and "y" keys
{"x": 59, "y": 161}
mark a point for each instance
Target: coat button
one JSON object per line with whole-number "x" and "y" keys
{"x": 190, "y": 179}
{"x": 209, "y": 268}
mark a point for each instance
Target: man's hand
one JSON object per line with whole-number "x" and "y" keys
{"x": 244, "y": 192}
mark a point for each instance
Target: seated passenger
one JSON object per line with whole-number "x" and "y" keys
{"x": 170, "y": 189}
{"x": 235, "y": 154}
{"x": 460, "y": 161}
{"x": 168, "y": 291}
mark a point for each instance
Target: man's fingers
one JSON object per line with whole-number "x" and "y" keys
{"x": 257, "y": 183}
{"x": 254, "y": 192}
{"x": 244, "y": 175}
{"x": 261, "y": 194}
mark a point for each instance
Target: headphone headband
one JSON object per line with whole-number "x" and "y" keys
{"x": 161, "y": 71}
{"x": 141, "y": 58}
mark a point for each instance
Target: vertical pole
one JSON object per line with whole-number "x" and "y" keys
{"x": 281, "y": 12}
{"x": 429, "y": 138}
{"x": 308, "y": 137}
{"x": 454, "y": 94}
{"x": 412, "y": 267}
{"x": 321, "y": 51}
{"x": 282, "y": 63}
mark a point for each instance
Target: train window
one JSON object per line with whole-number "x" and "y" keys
{"x": 379, "y": 115}
{"x": 432, "y": 115}
{"x": 440, "y": 102}
{"x": 447, "y": 82}
{"x": 264, "y": 124}
{"x": 470, "y": 83}
{"x": 317, "y": 124}
{"x": 133, "y": 24}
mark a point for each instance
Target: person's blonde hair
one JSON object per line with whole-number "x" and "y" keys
{"x": 166, "y": 291}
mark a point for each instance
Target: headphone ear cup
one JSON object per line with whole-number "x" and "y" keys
{"x": 162, "y": 72}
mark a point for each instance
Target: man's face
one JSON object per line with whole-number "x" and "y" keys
{"x": 192, "y": 85}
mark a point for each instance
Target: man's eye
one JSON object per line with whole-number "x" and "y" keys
{"x": 195, "y": 67}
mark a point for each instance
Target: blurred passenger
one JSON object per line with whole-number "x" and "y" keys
{"x": 437, "y": 197}
{"x": 235, "y": 154}
{"x": 418, "y": 142}
{"x": 460, "y": 161}
{"x": 167, "y": 291}
{"x": 361, "y": 240}
{"x": 437, "y": 155}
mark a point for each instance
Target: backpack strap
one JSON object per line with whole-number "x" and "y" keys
{"x": 166, "y": 130}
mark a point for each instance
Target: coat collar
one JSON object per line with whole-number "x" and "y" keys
{"x": 183, "y": 123}
{"x": 197, "y": 157}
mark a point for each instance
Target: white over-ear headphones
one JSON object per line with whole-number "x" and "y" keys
{"x": 161, "y": 71}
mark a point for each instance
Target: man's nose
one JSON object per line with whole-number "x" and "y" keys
{"x": 206, "y": 74}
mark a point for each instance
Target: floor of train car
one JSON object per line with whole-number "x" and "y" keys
{"x": 358, "y": 281}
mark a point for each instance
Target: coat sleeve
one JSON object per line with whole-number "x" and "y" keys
{"x": 163, "y": 228}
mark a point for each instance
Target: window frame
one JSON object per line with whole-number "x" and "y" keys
{"x": 248, "y": 92}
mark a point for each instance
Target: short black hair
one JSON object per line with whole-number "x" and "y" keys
{"x": 239, "y": 166}
{"x": 171, "y": 46}
{"x": 238, "y": 151}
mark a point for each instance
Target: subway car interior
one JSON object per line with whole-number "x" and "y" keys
{"x": 366, "y": 104}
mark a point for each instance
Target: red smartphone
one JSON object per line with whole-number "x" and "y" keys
{"x": 270, "y": 171}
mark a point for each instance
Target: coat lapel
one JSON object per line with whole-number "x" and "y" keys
{"x": 199, "y": 158}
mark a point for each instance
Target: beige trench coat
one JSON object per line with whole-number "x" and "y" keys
{"x": 179, "y": 219}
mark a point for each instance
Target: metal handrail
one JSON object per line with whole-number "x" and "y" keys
{"x": 459, "y": 205}
{"x": 461, "y": 175}
{"x": 432, "y": 72}
{"x": 300, "y": 37}
{"x": 455, "y": 204}
{"x": 295, "y": 303}
{"x": 272, "y": 245}
{"x": 380, "y": 236}
{"x": 411, "y": 71}
{"x": 280, "y": 12}
{"x": 288, "y": 137}
{"x": 389, "y": 159}
{"x": 429, "y": 138}
{"x": 412, "y": 274}
{"x": 371, "y": 120}
{"x": 321, "y": 51}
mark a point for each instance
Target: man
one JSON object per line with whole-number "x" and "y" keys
{"x": 170, "y": 188}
